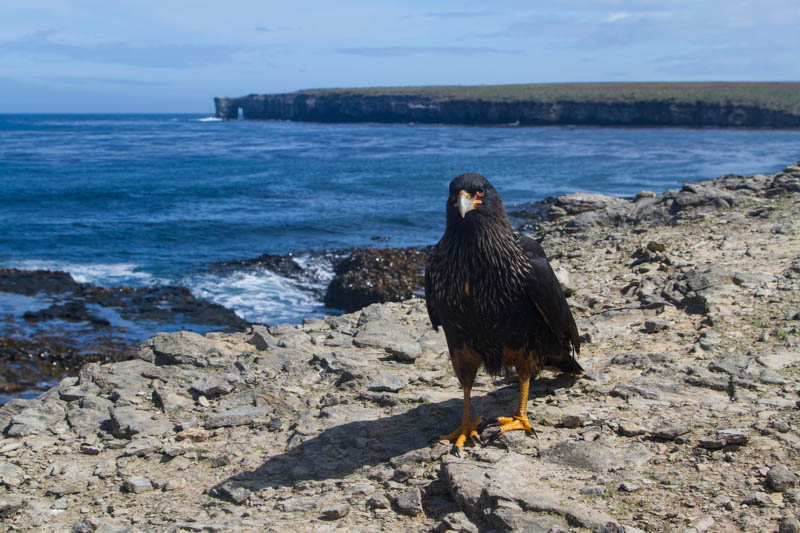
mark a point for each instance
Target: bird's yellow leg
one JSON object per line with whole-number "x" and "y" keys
{"x": 520, "y": 418}
{"x": 467, "y": 429}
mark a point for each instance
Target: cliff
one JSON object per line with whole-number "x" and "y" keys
{"x": 686, "y": 420}
{"x": 774, "y": 105}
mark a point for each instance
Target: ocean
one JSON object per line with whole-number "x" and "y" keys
{"x": 148, "y": 200}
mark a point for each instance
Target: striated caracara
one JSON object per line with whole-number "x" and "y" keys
{"x": 498, "y": 300}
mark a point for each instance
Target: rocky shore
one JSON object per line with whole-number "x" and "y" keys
{"x": 72, "y": 323}
{"x": 686, "y": 420}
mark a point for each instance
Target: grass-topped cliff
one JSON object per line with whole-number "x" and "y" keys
{"x": 783, "y": 96}
{"x": 747, "y": 104}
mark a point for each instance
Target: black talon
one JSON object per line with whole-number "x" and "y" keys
{"x": 534, "y": 434}
{"x": 455, "y": 451}
{"x": 479, "y": 441}
{"x": 494, "y": 436}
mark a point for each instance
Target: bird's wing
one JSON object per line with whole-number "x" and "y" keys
{"x": 430, "y": 299}
{"x": 545, "y": 292}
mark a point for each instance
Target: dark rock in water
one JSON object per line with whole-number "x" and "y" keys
{"x": 27, "y": 362}
{"x": 532, "y": 212}
{"x": 32, "y": 282}
{"x": 70, "y": 311}
{"x": 86, "y": 323}
{"x": 132, "y": 303}
{"x": 285, "y": 265}
{"x": 372, "y": 275}
{"x": 307, "y": 270}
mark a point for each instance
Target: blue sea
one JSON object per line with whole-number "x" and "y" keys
{"x": 148, "y": 200}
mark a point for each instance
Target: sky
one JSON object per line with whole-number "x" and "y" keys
{"x": 174, "y": 56}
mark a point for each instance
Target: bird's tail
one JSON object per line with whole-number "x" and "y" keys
{"x": 565, "y": 361}
{"x": 567, "y": 364}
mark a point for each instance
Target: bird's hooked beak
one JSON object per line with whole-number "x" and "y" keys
{"x": 467, "y": 202}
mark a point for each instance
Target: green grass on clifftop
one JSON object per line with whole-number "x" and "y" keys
{"x": 784, "y": 96}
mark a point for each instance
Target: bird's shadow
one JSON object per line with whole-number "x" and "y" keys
{"x": 343, "y": 449}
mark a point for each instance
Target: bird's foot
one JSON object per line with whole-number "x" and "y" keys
{"x": 512, "y": 423}
{"x": 467, "y": 429}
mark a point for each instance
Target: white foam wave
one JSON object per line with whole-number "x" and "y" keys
{"x": 318, "y": 268}
{"x": 208, "y": 119}
{"x": 256, "y": 295}
{"x": 105, "y": 274}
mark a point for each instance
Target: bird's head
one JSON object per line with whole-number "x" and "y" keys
{"x": 473, "y": 199}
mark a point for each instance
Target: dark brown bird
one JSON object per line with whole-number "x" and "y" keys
{"x": 498, "y": 300}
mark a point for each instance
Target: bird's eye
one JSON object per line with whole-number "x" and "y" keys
{"x": 480, "y": 191}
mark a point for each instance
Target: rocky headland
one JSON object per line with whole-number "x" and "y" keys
{"x": 755, "y": 105}
{"x": 686, "y": 420}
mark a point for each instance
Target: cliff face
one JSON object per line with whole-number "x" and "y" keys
{"x": 346, "y": 107}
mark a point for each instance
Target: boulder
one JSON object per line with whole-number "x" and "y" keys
{"x": 371, "y": 275}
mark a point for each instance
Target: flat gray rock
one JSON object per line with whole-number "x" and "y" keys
{"x": 297, "y": 505}
{"x": 338, "y": 340}
{"x": 387, "y": 383}
{"x": 758, "y": 499}
{"x": 127, "y": 375}
{"x": 353, "y": 364}
{"x": 143, "y": 446}
{"x": 127, "y": 421}
{"x": 215, "y": 384}
{"x": 404, "y": 351}
{"x": 262, "y": 339}
{"x": 669, "y": 432}
{"x": 169, "y": 399}
{"x": 655, "y": 325}
{"x": 233, "y": 491}
{"x": 11, "y": 475}
{"x": 12, "y": 408}
{"x": 183, "y": 347}
{"x": 457, "y": 522}
{"x": 36, "y": 418}
{"x": 496, "y": 493}
{"x": 630, "y": 429}
{"x": 433, "y": 342}
{"x": 382, "y": 334}
{"x": 238, "y": 416}
{"x": 68, "y": 486}
{"x": 581, "y": 454}
{"x": 409, "y": 502}
{"x": 87, "y": 421}
{"x": 726, "y": 437}
{"x": 137, "y": 485}
{"x": 11, "y": 504}
{"x": 336, "y": 511}
{"x": 375, "y": 313}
